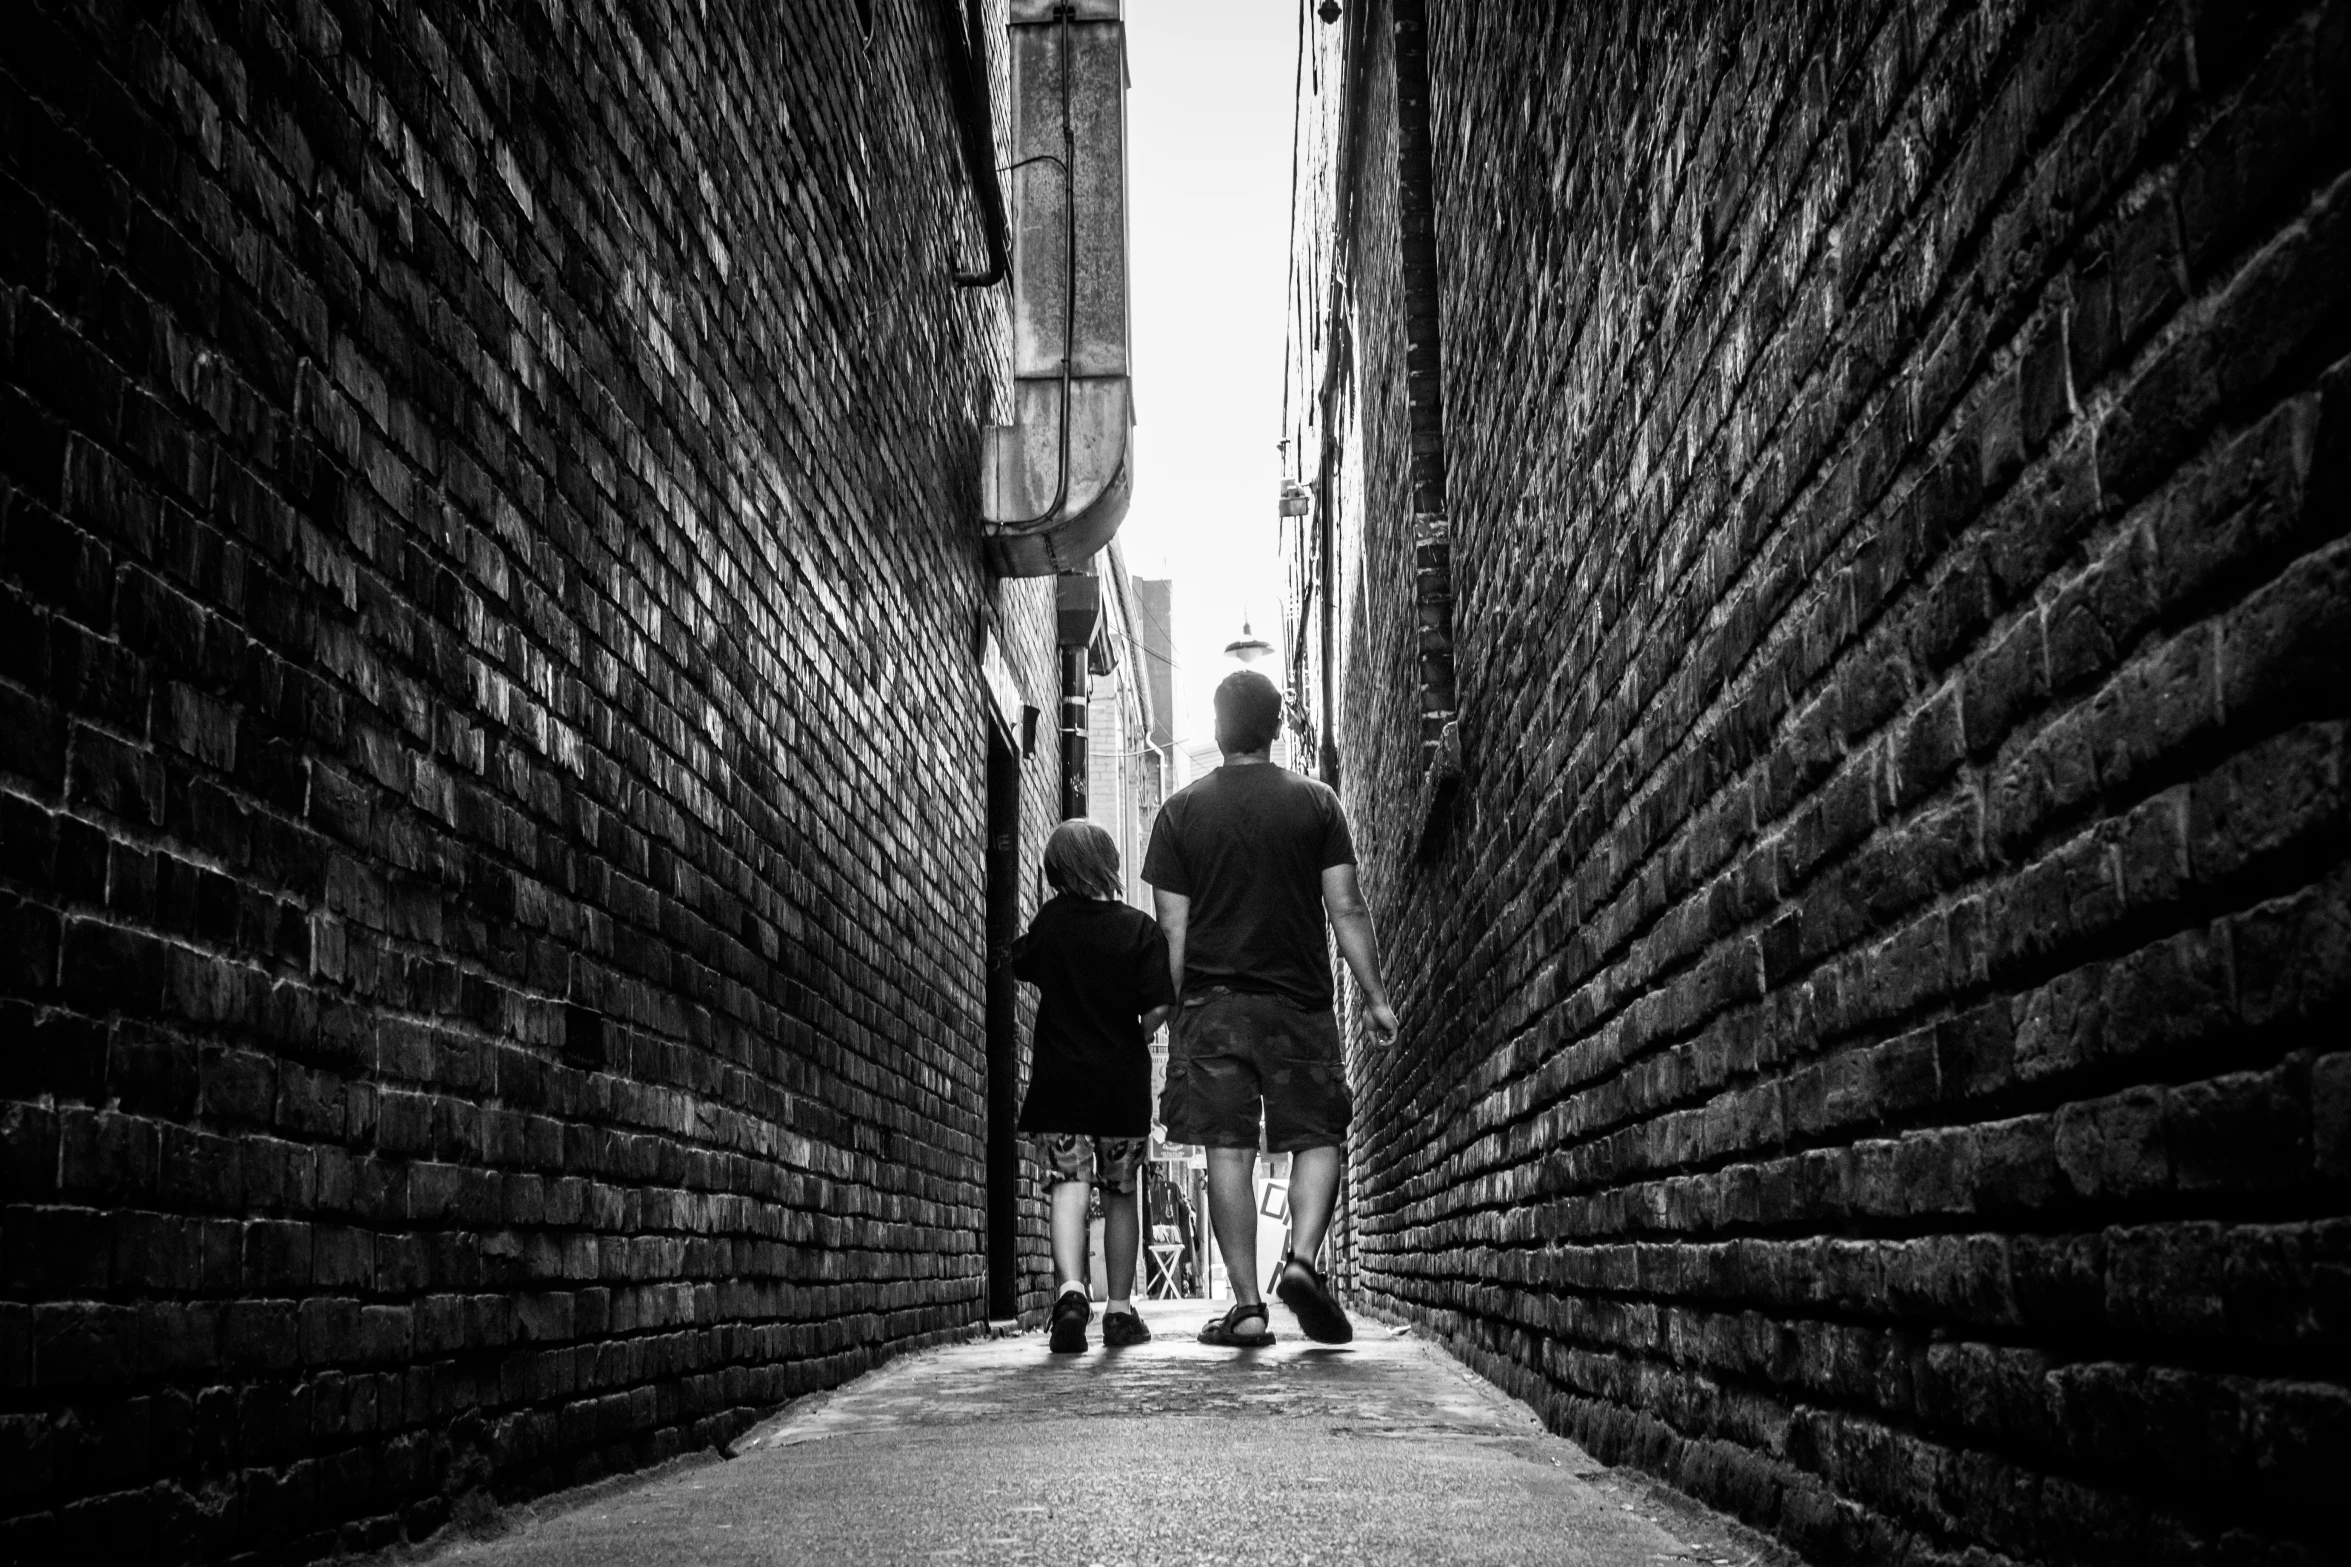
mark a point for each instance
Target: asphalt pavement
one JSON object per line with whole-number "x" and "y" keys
{"x": 995, "y": 1452}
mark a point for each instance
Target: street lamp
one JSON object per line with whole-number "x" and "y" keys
{"x": 1249, "y": 648}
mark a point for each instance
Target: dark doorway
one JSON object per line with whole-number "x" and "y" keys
{"x": 1003, "y": 1028}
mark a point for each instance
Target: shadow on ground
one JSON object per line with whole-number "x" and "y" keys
{"x": 1383, "y": 1451}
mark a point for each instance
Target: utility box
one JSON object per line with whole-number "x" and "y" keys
{"x": 1056, "y": 481}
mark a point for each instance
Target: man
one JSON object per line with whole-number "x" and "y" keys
{"x": 1244, "y": 865}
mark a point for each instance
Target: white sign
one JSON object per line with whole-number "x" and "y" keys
{"x": 1001, "y": 686}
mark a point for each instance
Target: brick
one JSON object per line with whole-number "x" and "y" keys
{"x": 2330, "y": 1115}
{"x": 32, "y": 455}
{"x": 260, "y": 1336}
{"x": 29, "y": 936}
{"x": 97, "y": 677}
{"x": 84, "y": 1345}
{"x": 2245, "y": 1131}
{"x": 66, "y": 374}
{"x": 2286, "y": 643}
{"x": 2279, "y": 303}
{"x": 58, "y": 1251}
{"x": 2007, "y": 680}
{"x": 2229, "y": 519}
{"x": 1928, "y": 747}
{"x": 2159, "y": 414}
{"x": 114, "y": 777}
{"x": 2285, "y": 790}
{"x": 32, "y": 742}
{"x": 2017, "y": 1166}
{"x": 2290, "y": 955}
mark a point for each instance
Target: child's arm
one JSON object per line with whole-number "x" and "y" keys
{"x": 1021, "y": 953}
{"x": 1160, "y": 966}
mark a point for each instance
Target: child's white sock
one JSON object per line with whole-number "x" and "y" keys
{"x": 1074, "y": 1287}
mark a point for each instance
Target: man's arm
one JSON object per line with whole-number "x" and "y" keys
{"x": 1350, "y": 916}
{"x": 1175, "y": 912}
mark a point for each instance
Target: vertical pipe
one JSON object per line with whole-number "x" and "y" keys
{"x": 1073, "y": 730}
{"x": 1329, "y": 574}
{"x": 975, "y": 122}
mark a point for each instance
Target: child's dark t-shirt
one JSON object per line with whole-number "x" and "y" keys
{"x": 1100, "y": 966}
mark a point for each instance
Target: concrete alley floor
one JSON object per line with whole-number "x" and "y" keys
{"x": 1381, "y": 1451}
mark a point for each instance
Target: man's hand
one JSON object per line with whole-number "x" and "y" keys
{"x": 1382, "y": 1018}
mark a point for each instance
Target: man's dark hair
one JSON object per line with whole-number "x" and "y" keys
{"x": 1248, "y": 712}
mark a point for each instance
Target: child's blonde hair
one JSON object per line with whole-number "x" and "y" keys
{"x": 1081, "y": 858}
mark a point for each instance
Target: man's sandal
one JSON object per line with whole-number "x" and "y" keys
{"x": 1300, "y": 1288}
{"x": 1225, "y": 1332}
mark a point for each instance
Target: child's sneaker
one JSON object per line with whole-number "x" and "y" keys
{"x": 1070, "y": 1315}
{"x": 1121, "y": 1328}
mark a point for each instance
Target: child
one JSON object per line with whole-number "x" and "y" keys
{"x": 1100, "y": 965}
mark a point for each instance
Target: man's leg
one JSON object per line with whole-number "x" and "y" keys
{"x": 1314, "y": 1188}
{"x": 1215, "y": 1099}
{"x": 1232, "y": 1213}
{"x": 1314, "y": 1191}
{"x": 1311, "y": 1118}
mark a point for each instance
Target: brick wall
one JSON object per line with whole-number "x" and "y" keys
{"x": 1873, "y": 1008}
{"x": 491, "y": 748}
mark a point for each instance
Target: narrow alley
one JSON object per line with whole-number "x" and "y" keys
{"x": 702, "y": 701}
{"x": 1383, "y": 1451}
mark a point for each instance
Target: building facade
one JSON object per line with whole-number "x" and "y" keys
{"x": 1825, "y": 593}
{"x": 511, "y": 759}
{"x": 1127, "y": 768}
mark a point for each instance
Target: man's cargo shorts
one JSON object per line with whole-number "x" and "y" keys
{"x": 1232, "y": 1052}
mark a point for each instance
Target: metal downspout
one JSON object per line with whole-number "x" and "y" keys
{"x": 975, "y": 121}
{"x": 1077, "y": 615}
{"x": 1074, "y": 699}
{"x": 1329, "y": 593}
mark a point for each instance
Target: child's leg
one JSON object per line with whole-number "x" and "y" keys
{"x": 1071, "y": 1196}
{"x": 1122, "y": 1236}
{"x": 1118, "y": 1161}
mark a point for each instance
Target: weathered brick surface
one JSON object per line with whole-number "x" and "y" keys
{"x": 1873, "y": 1011}
{"x": 491, "y": 740}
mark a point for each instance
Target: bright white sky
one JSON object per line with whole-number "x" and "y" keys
{"x": 1208, "y": 180}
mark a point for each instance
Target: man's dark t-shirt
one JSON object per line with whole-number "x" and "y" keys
{"x": 1248, "y": 845}
{"x": 1099, "y": 966}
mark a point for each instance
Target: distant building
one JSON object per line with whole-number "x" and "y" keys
{"x": 1198, "y": 758}
{"x": 1126, "y": 768}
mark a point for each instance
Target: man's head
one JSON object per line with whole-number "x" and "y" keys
{"x": 1248, "y": 713}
